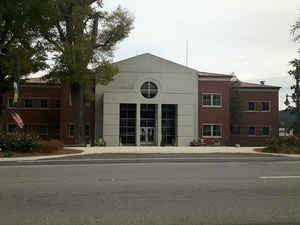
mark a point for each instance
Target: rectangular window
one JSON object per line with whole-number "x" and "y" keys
{"x": 57, "y": 131}
{"x": 44, "y": 103}
{"x": 87, "y": 130}
{"x": 212, "y": 100}
{"x": 266, "y": 106}
{"x": 266, "y": 131}
{"x": 211, "y": 131}
{"x": 11, "y": 103}
{"x": 128, "y": 124}
{"x": 57, "y": 104}
{"x": 28, "y": 103}
{"x": 43, "y": 129}
{"x": 216, "y": 100}
{"x": 28, "y": 129}
{"x": 11, "y": 128}
{"x": 71, "y": 130}
{"x": 251, "y": 131}
{"x": 206, "y": 100}
{"x": 251, "y": 106}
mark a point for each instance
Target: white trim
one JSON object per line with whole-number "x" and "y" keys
{"x": 211, "y": 127}
{"x": 251, "y": 101}
{"x": 270, "y": 105}
{"x": 270, "y": 131}
{"x": 211, "y": 100}
{"x": 139, "y": 84}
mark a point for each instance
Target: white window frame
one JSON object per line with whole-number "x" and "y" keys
{"x": 69, "y": 133}
{"x": 254, "y": 106}
{"x": 270, "y": 131}
{"x": 269, "y": 102}
{"x": 212, "y": 130}
{"x": 212, "y": 100}
{"x": 255, "y": 130}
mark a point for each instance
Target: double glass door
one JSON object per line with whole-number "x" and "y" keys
{"x": 147, "y": 135}
{"x": 148, "y": 124}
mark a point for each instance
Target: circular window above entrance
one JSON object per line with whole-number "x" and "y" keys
{"x": 149, "y": 89}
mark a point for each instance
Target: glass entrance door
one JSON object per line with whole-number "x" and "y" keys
{"x": 148, "y": 124}
{"x": 147, "y": 135}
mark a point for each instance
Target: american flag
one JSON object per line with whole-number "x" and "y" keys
{"x": 17, "y": 118}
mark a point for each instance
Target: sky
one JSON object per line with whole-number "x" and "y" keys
{"x": 248, "y": 37}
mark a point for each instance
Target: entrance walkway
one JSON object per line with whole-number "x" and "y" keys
{"x": 145, "y": 150}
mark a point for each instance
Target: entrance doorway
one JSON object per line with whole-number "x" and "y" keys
{"x": 148, "y": 124}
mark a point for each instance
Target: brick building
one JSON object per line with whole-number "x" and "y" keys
{"x": 46, "y": 110}
{"x": 152, "y": 101}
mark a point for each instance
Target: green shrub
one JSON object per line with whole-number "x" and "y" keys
{"x": 290, "y": 145}
{"x": 18, "y": 143}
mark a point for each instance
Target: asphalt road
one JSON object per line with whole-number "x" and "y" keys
{"x": 242, "y": 192}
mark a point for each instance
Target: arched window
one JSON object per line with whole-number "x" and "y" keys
{"x": 149, "y": 89}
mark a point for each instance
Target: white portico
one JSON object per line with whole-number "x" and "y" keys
{"x": 151, "y": 101}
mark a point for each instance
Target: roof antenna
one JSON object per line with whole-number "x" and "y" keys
{"x": 187, "y": 53}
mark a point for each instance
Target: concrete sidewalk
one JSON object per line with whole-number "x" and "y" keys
{"x": 148, "y": 149}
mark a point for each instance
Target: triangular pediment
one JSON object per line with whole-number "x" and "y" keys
{"x": 148, "y": 63}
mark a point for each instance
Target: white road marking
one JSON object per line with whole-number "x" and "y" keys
{"x": 281, "y": 177}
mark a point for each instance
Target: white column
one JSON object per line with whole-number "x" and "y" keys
{"x": 158, "y": 124}
{"x": 138, "y": 121}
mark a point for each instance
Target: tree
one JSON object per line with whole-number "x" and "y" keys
{"x": 82, "y": 37}
{"x": 295, "y": 73}
{"x": 295, "y": 31}
{"x": 236, "y": 103}
{"x": 21, "y": 53}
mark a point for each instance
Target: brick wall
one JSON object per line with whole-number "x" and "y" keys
{"x": 214, "y": 115}
{"x": 258, "y": 118}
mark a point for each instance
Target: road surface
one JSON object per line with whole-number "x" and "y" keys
{"x": 249, "y": 191}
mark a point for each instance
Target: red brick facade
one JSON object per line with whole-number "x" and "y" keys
{"x": 257, "y": 124}
{"x": 45, "y": 110}
{"x": 259, "y": 118}
{"x": 217, "y": 115}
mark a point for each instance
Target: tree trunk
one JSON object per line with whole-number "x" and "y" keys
{"x": 77, "y": 93}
